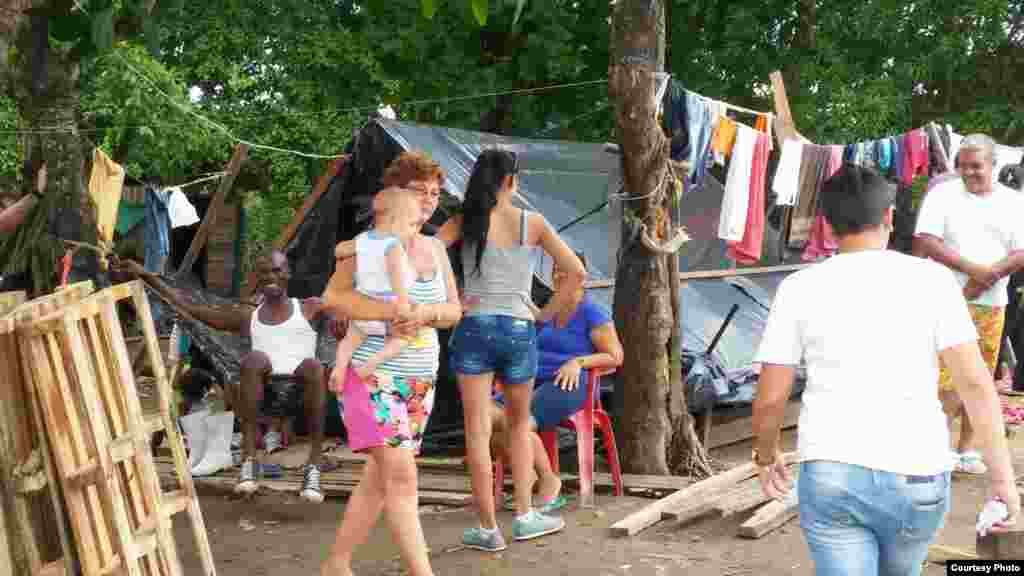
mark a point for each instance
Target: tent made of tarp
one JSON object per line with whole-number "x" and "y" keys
{"x": 569, "y": 183}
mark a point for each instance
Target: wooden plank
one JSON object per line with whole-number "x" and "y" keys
{"x": 787, "y": 127}
{"x": 11, "y": 300}
{"x": 712, "y": 274}
{"x": 331, "y": 489}
{"x": 940, "y": 554}
{"x": 691, "y": 511}
{"x": 199, "y": 240}
{"x": 651, "y": 514}
{"x": 743, "y": 428}
{"x": 333, "y": 168}
{"x": 746, "y": 495}
{"x": 770, "y": 516}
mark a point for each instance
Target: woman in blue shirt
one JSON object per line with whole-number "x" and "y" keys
{"x": 581, "y": 337}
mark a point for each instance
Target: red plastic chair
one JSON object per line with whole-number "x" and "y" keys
{"x": 583, "y": 423}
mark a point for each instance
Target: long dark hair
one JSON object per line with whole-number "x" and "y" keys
{"x": 489, "y": 172}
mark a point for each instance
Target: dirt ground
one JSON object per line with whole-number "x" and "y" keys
{"x": 275, "y": 534}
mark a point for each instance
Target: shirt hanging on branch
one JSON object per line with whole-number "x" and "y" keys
{"x": 105, "y": 184}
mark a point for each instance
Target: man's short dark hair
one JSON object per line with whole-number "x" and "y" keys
{"x": 854, "y": 199}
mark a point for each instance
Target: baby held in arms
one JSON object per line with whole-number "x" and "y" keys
{"x": 383, "y": 271}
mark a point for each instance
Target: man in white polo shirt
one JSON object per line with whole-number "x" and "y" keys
{"x": 870, "y": 324}
{"x": 974, "y": 226}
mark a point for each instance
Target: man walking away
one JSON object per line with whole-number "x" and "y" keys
{"x": 870, "y": 324}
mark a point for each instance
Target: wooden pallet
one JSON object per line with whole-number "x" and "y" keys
{"x": 10, "y": 300}
{"x": 164, "y": 420}
{"x": 82, "y": 374}
{"x": 32, "y": 502}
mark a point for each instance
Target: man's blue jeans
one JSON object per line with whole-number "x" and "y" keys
{"x": 859, "y": 521}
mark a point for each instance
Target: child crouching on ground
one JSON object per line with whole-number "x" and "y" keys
{"x": 383, "y": 271}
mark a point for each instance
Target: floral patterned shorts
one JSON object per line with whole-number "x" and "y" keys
{"x": 989, "y": 321}
{"x": 386, "y": 410}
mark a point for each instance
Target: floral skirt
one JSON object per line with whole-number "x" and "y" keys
{"x": 386, "y": 410}
{"x": 989, "y": 321}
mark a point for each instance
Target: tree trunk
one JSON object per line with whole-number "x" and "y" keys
{"x": 43, "y": 80}
{"x": 655, "y": 429}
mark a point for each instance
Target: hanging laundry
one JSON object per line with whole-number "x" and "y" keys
{"x": 954, "y": 144}
{"x": 156, "y": 233}
{"x": 868, "y": 158}
{"x": 764, "y": 124}
{"x": 699, "y": 127}
{"x": 733, "y": 218}
{"x": 106, "y": 182}
{"x": 786, "y": 184}
{"x": 915, "y": 157}
{"x": 821, "y": 242}
{"x": 884, "y": 154}
{"x": 811, "y": 168}
{"x": 180, "y": 208}
{"x": 673, "y": 120}
{"x": 725, "y": 136}
{"x": 898, "y": 149}
{"x": 939, "y": 156}
{"x": 748, "y": 250}
{"x": 850, "y": 153}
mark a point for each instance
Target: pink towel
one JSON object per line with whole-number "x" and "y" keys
{"x": 748, "y": 250}
{"x": 821, "y": 242}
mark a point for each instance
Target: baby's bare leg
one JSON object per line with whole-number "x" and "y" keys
{"x": 354, "y": 337}
{"x": 393, "y": 346}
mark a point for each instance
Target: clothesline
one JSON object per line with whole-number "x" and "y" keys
{"x": 731, "y": 106}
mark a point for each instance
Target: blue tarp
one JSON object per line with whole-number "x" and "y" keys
{"x": 568, "y": 182}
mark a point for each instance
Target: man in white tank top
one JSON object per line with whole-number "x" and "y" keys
{"x": 281, "y": 374}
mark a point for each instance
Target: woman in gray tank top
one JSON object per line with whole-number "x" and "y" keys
{"x": 495, "y": 343}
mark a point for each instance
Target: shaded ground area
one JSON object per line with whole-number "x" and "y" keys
{"x": 277, "y": 534}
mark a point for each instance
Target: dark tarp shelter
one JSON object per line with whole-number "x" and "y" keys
{"x": 569, "y": 183}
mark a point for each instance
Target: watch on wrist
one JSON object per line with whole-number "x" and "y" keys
{"x": 579, "y": 362}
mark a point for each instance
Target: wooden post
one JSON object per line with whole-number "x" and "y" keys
{"x": 333, "y": 168}
{"x": 241, "y": 152}
{"x": 785, "y": 129}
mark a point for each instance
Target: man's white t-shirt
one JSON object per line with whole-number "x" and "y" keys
{"x": 981, "y": 229}
{"x": 869, "y": 326}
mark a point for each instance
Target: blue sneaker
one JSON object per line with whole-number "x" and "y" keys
{"x": 533, "y": 524}
{"x": 486, "y": 540}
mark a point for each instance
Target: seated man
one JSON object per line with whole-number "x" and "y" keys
{"x": 280, "y": 375}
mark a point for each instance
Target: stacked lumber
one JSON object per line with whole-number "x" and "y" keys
{"x": 87, "y": 441}
{"x": 731, "y": 492}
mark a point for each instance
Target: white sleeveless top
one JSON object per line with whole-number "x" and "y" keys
{"x": 288, "y": 343}
{"x": 372, "y": 278}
